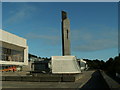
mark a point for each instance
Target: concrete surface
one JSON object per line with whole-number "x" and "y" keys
{"x": 96, "y": 81}
{"x": 78, "y": 84}
{"x": 21, "y": 73}
{"x": 111, "y": 82}
{"x": 90, "y": 80}
{"x": 65, "y": 34}
{"x": 65, "y": 65}
{"x": 14, "y": 42}
{"x": 44, "y": 78}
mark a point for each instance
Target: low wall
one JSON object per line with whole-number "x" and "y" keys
{"x": 43, "y": 78}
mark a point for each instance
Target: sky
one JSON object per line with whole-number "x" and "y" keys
{"x": 93, "y": 25}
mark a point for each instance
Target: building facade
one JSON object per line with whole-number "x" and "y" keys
{"x": 83, "y": 64}
{"x": 13, "y": 49}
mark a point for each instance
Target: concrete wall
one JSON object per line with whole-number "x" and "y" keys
{"x": 65, "y": 65}
{"x": 66, "y": 36}
{"x": 13, "y": 41}
{"x": 12, "y": 38}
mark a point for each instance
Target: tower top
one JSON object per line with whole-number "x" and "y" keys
{"x": 64, "y": 15}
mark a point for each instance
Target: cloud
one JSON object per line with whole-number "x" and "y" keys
{"x": 45, "y": 37}
{"x": 20, "y": 13}
{"x": 49, "y": 36}
{"x": 92, "y": 41}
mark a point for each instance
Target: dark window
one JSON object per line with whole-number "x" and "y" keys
{"x": 12, "y": 55}
{"x": 67, "y": 33}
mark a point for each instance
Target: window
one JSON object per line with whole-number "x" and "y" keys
{"x": 12, "y": 55}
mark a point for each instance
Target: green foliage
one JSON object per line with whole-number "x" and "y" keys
{"x": 95, "y": 64}
{"x": 34, "y": 56}
{"x": 112, "y": 65}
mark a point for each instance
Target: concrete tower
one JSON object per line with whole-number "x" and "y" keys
{"x": 65, "y": 64}
{"x": 65, "y": 34}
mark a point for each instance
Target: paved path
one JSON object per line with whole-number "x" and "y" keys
{"x": 89, "y": 80}
{"x": 96, "y": 81}
{"x": 112, "y": 82}
{"x": 14, "y": 73}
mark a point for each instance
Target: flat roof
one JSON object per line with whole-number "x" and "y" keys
{"x": 11, "y": 33}
{"x": 12, "y": 38}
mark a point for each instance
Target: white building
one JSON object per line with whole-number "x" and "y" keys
{"x": 13, "y": 49}
{"x": 83, "y": 64}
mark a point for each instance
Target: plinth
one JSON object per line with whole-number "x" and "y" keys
{"x": 65, "y": 65}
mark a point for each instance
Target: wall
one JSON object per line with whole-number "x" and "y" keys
{"x": 12, "y": 41}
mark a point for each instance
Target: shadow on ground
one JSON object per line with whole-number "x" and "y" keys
{"x": 96, "y": 82}
{"x": 114, "y": 77}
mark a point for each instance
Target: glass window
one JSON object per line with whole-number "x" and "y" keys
{"x": 12, "y": 55}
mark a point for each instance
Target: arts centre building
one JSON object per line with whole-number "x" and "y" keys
{"x": 13, "y": 50}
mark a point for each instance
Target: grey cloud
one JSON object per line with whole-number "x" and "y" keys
{"x": 36, "y": 36}
{"x": 89, "y": 41}
{"x": 44, "y": 39}
{"x": 97, "y": 45}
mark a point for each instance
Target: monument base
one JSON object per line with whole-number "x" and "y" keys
{"x": 65, "y": 65}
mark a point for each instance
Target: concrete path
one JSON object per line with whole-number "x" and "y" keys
{"x": 14, "y": 73}
{"x": 96, "y": 81}
{"x": 110, "y": 81}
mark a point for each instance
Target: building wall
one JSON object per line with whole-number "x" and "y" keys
{"x": 12, "y": 39}
{"x": 12, "y": 43}
{"x": 83, "y": 64}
